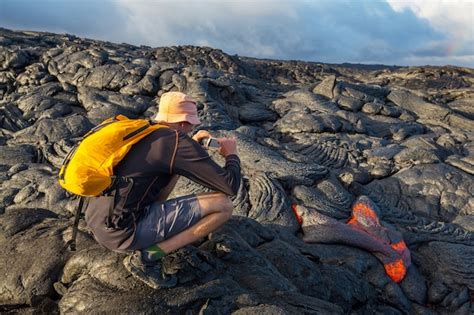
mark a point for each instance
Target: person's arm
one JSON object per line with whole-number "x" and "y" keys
{"x": 193, "y": 162}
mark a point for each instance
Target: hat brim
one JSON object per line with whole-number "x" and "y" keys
{"x": 176, "y": 118}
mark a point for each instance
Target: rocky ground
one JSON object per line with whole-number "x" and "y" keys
{"x": 311, "y": 134}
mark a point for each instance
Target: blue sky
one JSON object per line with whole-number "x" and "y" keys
{"x": 392, "y": 32}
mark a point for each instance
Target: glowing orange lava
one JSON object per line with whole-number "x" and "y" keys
{"x": 297, "y": 215}
{"x": 396, "y": 270}
{"x": 366, "y": 219}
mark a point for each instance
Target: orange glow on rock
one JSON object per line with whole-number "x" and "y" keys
{"x": 396, "y": 270}
{"x": 352, "y": 221}
{"x": 395, "y": 257}
{"x": 364, "y": 216}
{"x": 364, "y": 211}
{"x": 400, "y": 246}
{"x": 297, "y": 215}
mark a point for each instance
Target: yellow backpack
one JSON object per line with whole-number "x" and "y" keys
{"x": 87, "y": 170}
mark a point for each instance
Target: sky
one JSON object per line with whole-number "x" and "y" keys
{"x": 390, "y": 32}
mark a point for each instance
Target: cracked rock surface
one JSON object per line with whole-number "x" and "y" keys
{"x": 308, "y": 133}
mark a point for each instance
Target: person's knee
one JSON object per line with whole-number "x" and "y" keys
{"x": 215, "y": 202}
{"x": 227, "y": 207}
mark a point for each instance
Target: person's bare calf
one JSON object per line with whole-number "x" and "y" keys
{"x": 216, "y": 209}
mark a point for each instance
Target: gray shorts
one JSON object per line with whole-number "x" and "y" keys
{"x": 162, "y": 220}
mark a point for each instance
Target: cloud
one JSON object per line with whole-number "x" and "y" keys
{"x": 237, "y": 27}
{"x": 327, "y": 31}
{"x": 334, "y": 31}
{"x": 453, "y": 18}
{"x": 449, "y": 16}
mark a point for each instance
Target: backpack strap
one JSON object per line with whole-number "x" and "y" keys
{"x": 112, "y": 192}
{"x": 72, "y": 242}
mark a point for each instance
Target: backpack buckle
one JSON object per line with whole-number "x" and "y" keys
{"x": 109, "y": 225}
{"x": 112, "y": 187}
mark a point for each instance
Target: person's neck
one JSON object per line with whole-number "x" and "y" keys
{"x": 174, "y": 126}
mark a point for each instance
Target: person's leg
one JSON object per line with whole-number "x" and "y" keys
{"x": 184, "y": 220}
{"x": 216, "y": 209}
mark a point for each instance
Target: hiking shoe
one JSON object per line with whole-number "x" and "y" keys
{"x": 150, "y": 273}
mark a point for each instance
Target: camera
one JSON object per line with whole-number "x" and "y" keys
{"x": 209, "y": 143}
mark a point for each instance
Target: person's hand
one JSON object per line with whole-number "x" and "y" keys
{"x": 201, "y": 134}
{"x": 228, "y": 146}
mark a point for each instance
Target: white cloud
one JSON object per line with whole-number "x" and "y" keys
{"x": 163, "y": 23}
{"x": 455, "y": 18}
{"x": 324, "y": 30}
{"x": 444, "y": 14}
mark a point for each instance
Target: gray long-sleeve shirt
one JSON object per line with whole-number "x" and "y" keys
{"x": 152, "y": 163}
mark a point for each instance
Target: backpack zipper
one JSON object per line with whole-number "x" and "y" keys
{"x": 133, "y": 133}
